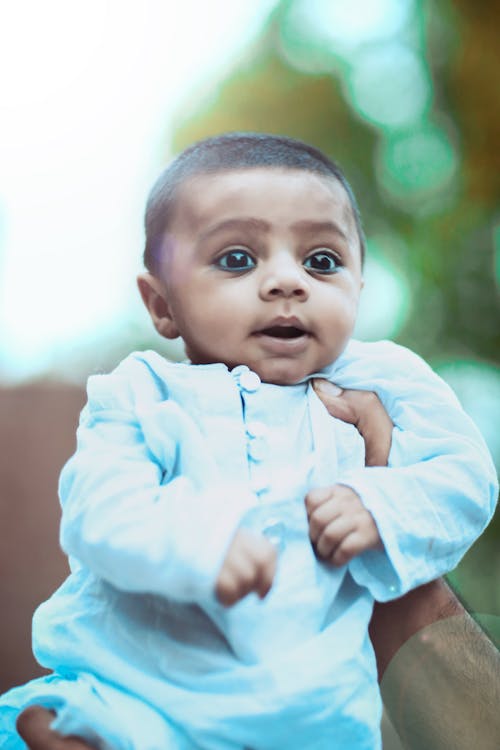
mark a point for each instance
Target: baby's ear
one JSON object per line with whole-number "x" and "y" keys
{"x": 154, "y": 296}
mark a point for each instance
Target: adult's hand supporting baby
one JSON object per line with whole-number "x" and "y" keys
{"x": 364, "y": 410}
{"x": 33, "y": 726}
{"x": 249, "y": 565}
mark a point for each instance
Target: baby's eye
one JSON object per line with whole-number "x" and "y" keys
{"x": 322, "y": 261}
{"x": 236, "y": 260}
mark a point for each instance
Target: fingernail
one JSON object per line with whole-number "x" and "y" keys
{"x": 329, "y": 388}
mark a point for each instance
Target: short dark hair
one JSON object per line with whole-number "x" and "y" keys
{"x": 227, "y": 152}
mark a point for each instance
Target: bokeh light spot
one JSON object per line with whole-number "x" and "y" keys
{"x": 385, "y": 300}
{"x": 390, "y": 85}
{"x": 353, "y": 23}
{"x": 417, "y": 165}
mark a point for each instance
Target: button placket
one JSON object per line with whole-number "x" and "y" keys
{"x": 258, "y": 480}
{"x": 256, "y": 440}
{"x": 256, "y": 431}
{"x": 256, "y": 448}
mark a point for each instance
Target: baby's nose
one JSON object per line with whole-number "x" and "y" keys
{"x": 286, "y": 280}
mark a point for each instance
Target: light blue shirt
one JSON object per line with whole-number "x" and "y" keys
{"x": 171, "y": 460}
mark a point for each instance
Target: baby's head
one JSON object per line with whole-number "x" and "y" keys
{"x": 254, "y": 254}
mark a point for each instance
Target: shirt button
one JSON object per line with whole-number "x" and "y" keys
{"x": 256, "y": 429}
{"x": 256, "y": 449}
{"x": 259, "y": 482}
{"x": 249, "y": 381}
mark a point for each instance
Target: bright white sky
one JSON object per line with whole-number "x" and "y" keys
{"x": 87, "y": 93}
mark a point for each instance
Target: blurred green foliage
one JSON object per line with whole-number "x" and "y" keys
{"x": 408, "y": 102}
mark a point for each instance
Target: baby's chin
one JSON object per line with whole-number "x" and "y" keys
{"x": 282, "y": 380}
{"x": 274, "y": 372}
{"x": 280, "y": 374}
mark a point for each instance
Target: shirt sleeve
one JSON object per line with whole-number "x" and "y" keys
{"x": 132, "y": 512}
{"x": 439, "y": 489}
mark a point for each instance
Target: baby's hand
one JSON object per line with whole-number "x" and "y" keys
{"x": 250, "y": 565}
{"x": 340, "y": 527}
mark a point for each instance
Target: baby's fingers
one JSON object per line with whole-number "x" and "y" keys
{"x": 345, "y": 538}
{"x": 332, "y": 537}
{"x": 266, "y": 571}
{"x": 233, "y": 584}
{"x": 352, "y": 545}
{"x": 315, "y": 498}
{"x": 250, "y": 565}
{"x": 321, "y": 517}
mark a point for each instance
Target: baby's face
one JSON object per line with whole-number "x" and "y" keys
{"x": 262, "y": 267}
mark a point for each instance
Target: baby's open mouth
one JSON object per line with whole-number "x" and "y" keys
{"x": 283, "y": 332}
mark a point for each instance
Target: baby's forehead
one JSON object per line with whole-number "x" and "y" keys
{"x": 206, "y": 196}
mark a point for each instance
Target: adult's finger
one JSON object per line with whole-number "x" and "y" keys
{"x": 375, "y": 427}
{"x": 330, "y": 394}
{"x": 365, "y": 411}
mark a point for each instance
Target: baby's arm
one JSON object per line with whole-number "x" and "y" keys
{"x": 439, "y": 489}
{"x": 431, "y": 655}
{"x": 144, "y": 506}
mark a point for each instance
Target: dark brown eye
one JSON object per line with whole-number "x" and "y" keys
{"x": 236, "y": 260}
{"x": 322, "y": 262}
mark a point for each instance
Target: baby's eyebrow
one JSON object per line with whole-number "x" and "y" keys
{"x": 244, "y": 223}
{"x": 310, "y": 226}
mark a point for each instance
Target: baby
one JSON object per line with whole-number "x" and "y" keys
{"x": 226, "y": 540}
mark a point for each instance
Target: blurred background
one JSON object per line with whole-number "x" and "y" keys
{"x": 95, "y": 99}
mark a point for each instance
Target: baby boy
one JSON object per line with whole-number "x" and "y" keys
{"x": 226, "y": 540}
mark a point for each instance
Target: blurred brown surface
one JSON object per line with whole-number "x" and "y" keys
{"x": 37, "y": 435}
